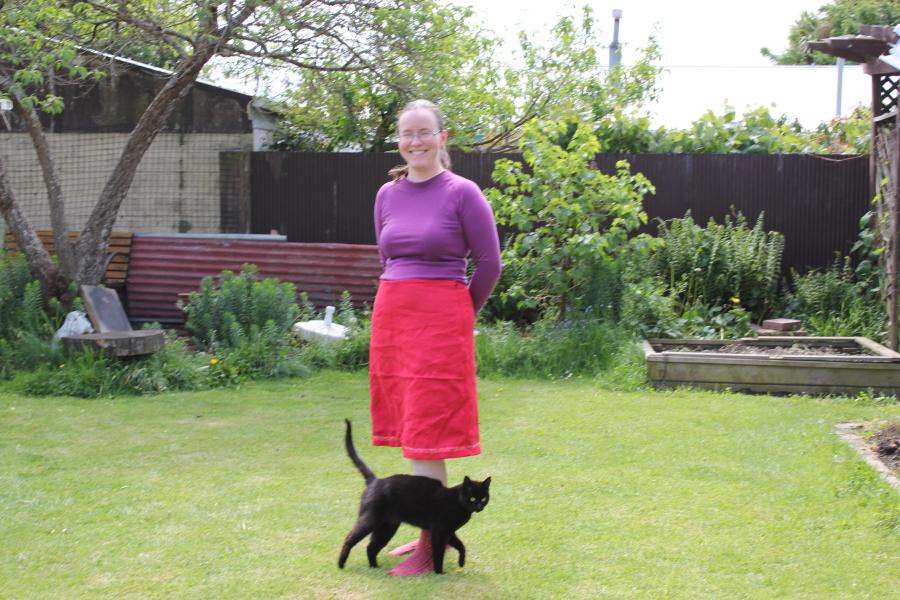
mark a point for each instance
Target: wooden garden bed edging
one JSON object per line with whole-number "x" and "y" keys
{"x": 775, "y": 374}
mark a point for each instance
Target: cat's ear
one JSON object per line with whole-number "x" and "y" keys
{"x": 487, "y": 482}
{"x": 466, "y": 481}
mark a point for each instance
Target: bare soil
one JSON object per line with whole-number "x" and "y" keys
{"x": 887, "y": 443}
{"x": 792, "y": 350}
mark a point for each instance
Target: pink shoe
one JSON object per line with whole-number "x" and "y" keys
{"x": 420, "y": 560}
{"x": 404, "y": 549}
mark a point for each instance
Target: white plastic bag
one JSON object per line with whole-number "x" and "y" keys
{"x": 76, "y": 323}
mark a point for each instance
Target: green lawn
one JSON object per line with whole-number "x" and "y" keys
{"x": 248, "y": 494}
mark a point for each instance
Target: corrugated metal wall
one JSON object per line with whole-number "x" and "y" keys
{"x": 162, "y": 267}
{"x": 815, "y": 201}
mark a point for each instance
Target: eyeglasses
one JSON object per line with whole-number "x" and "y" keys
{"x": 421, "y": 135}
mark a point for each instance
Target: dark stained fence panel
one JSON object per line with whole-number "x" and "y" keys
{"x": 161, "y": 268}
{"x": 815, "y": 201}
{"x": 313, "y": 197}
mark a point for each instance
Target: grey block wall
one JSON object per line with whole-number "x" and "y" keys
{"x": 176, "y": 188}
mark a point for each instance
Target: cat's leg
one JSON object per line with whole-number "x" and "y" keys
{"x": 363, "y": 527}
{"x": 380, "y": 537}
{"x": 454, "y": 541}
{"x": 435, "y": 469}
{"x": 438, "y": 546}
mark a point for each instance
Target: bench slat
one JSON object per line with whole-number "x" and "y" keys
{"x": 119, "y": 247}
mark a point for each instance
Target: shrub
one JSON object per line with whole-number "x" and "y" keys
{"x": 91, "y": 374}
{"x": 835, "y": 302}
{"x": 549, "y": 348}
{"x": 27, "y": 324}
{"x": 568, "y": 215}
{"x": 225, "y": 316}
{"x": 708, "y": 282}
{"x": 713, "y": 264}
{"x": 245, "y": 324}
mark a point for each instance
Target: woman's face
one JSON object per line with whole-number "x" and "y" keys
{"x": 420, "y": 140}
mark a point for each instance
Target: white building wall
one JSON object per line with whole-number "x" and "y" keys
{"x": 176, "y": 187}
{"x": 806, "y": 93}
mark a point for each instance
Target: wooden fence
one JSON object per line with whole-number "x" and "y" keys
{"x": 815, "y": 201}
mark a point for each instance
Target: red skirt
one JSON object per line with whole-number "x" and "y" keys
{"x": 422, "y": 369}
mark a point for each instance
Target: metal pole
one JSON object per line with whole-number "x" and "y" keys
{"x": 840, "y": 86}
{"x": 615, "y": 53}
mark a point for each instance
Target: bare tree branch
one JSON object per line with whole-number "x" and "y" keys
{"x": 51, "y": 180}
{"x": 29, "y": 243}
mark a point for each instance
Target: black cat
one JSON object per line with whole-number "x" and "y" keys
{"x": 420, "y": 501}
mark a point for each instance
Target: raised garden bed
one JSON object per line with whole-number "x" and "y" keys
{"x": 775, "y": 365}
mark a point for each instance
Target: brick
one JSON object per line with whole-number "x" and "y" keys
{"x": 781, "y": 324}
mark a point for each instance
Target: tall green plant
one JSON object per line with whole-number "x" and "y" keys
{"x": 14, "y": 279}
{"x": 27, "y": 324}
{"x": 567, "y": 213}
{"x": 239, "y": 309}
{"x": 843, "y": 300}
{"x": 713, "y": 264}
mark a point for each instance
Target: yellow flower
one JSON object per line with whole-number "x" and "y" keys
{"x": 62, "y": 365}
{"x": 214, "y": 361}
{"x": 735, "y": 300}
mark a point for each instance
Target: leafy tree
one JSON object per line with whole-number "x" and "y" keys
{"x": 730, "y": 132}
{"x": 485, "y": 102}
{"x": 567, "y": 213}
{"x": 328, "y": 111}
{"x": 840, "y": 17}
{"x": 756, "y": 131}
{"x": 41, "y": 48}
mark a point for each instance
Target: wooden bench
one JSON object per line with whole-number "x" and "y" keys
{"x": 119, "y": 253}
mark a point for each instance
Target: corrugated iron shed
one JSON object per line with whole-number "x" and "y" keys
{"x": 163, "y": 267}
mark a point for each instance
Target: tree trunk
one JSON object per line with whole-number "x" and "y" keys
{"x": 54, "y": 190}
{"x": 39, "y": 263}
{"x": 91, "y": 246}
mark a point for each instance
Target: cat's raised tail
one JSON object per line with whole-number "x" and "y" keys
{"x": 351, "y": 452}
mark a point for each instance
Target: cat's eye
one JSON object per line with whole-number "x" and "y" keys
{"x": 472, "y": 499}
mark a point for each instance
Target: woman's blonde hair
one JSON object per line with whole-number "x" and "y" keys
{"x": 402, "y": 170}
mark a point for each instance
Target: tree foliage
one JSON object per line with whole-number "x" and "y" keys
{"x": 45, "y": 44}
{"x": 840, "y": 17}
{"x": 486, "y": 101}
{"x": 567, "y": 213}
{"x": 755, "y": 131}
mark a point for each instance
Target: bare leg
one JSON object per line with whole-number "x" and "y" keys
{"x": 435, "y": 469}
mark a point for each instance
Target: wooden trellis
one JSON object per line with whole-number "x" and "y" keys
{"x": 873, "y": 42}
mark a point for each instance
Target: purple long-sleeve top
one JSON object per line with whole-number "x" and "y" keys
{"x": 427, "y": 229}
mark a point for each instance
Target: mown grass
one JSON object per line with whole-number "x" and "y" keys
{"x": 247, "y": 494}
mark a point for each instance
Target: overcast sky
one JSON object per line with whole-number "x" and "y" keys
{"x": 710, "y": 54}
{"x": 710, "y": 51}
{"x": 690, "y": 32}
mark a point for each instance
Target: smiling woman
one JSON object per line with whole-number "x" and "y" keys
{"x": 428, "y": 221}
